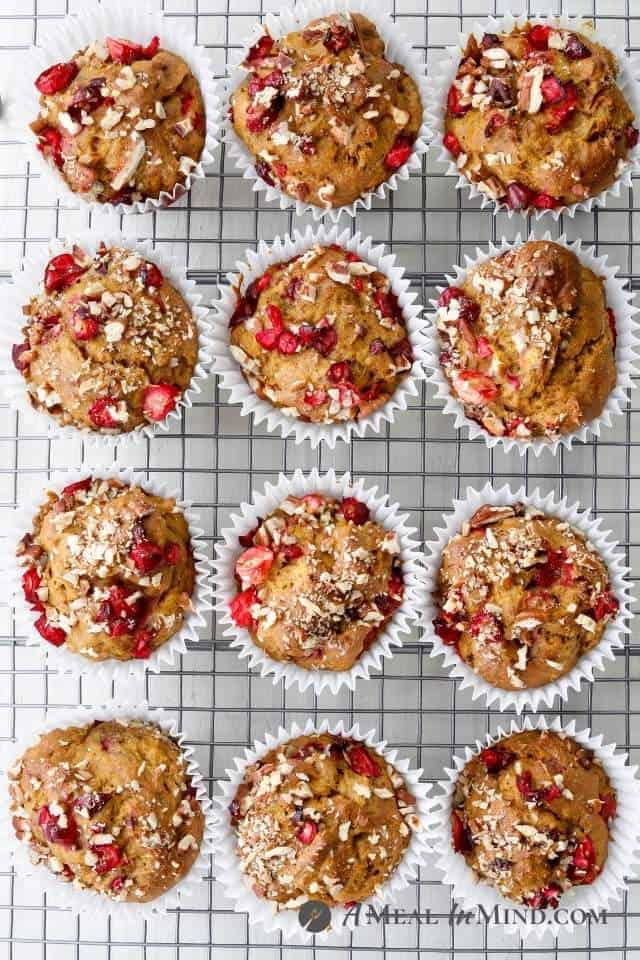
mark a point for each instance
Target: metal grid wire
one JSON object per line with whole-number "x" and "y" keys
{"x": 216, "y": 458}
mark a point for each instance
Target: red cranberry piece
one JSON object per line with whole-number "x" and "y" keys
{"x": 560, "y": 112}
{"x": 448, "y": 634}
{"x": 606, "y": 605}
{"x": 56, "y": 78}
{"x": 551, "y": 570}
{"x": 87, "y": 99}
{"x": 315, "y": 398}
{"x": 452, "y": 144}
{"x": 451, "y": 293}
{"x": 550, "y": 793}
{"x": 287, "y": 343}
{"x": 608, "y": 806}
{"x": 324, "y": 340}
{"x": 306, "y": 146}
{"x": 361, "y": 762}
{"x": 268, "y": 339}
{"x": 50, "y": 145}
{"x": 143, "y": 645}
{"x": 454, "y": 106}
{"x": 575, "y": 49}
{"x": 337, "y": 39}
{"x": 486, "y": 624}
{"x": 546, "y": 897}
{"x": 307, "y": 832}
{"x": 632, "y": 135}
{"x": 376, "y": 346}
{"x": 31, "y": 581}
{"x": 387, "y": 303}
{"x": 496, "y": 120}
{"x": 584, "y": 861}
{"x": 125, "y": 52}
{"x": 172, "y": 554}
{"x": 543, "y": 201}
{"x": 490, "y": 40}
{"x": 552, "y": 90}
{"x": 83, "y": 325}
{"x": 18, "y": 352}
{"x": 291, "y": 551}
{"x": 355, "y": 511}
{"x": 53, "y": 635}
{"x": 538, "y": 37}
{"x": 67, "y": 835}
{"x": 483, "y": 347}
{"x": 158, "y": 400}
{"x": 77, "y": 487}
{"x": 399, "y": 152}
{"x": 500, "y": 92}
{"x": 109, "y": 857}
{"x": 263, "y": 282}
{"x": 496, "y": 759}
{"x": 518, "y": 196}
{"x": 261, "y": 49}
{"x": 92, "y": 803}
{"x": 117, "y": 884}
{"x": 513, "y": 380}
{"x": 61, "y": 272}
{"x": 240, "y": 607}
{"x": 146, "y": 555}
{"x": 460, "y": 834}
{"x": 263, "y": 170}
{"x": 340, "y": 372}
{"x": 150, "y": 275}
{"x": 524, "y": 785}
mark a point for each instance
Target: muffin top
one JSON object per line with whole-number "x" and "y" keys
{"x": 321, "y": 817}
{"x": 326, "y": 117}
{"x": 321, "y": 336}
{"x": 109, "y": 569}
{"x": 522, "y": 596}
{"x": 531, "y": 815}
{"x": 529, "y": 342}
{"x": 109, "y": 344}
{"x": 319, "y": 582}
{"x": 120, "y": 121}
{"x": 536, "y": 119}
{"x": 108, "y": 807}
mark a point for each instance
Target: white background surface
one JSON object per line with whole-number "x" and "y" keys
{"x": 215, "y": 458}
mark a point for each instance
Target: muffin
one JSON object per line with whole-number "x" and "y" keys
{"x": 121, "y": 122}
{"x": 529, "y": 342}
{"x": 109, "y": 344}
{"x": 108, "y": 569}
{"x": 531, "y": 816}
{"x": 535, "y": 118}
{"x": 319, "y": 581}
{"x": 326, "y": 117}
{"x": 321, "y": 817}
{"x": 522, "y": 596}
{"x": 321, "y": 336}
{"x": 108, "y": 807}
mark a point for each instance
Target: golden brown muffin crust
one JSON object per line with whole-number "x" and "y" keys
{"x": 321, "y": 818}
{"x": 327, "y": 118}
{"x": 108, "y": 807}
{"x": 531, "y": 814}
{"x": 535, "y": 117}
{"x": 319, "y": 582}
{"x": 529, "y": 342}
{"x": 522, "y": 596}
{"x": 109, "y": 345}
{"x": 109, "y": 569}
{"x": 322, "y": 336}
{"x": 129, "y": 123}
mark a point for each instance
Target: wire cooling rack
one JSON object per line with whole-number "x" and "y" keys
{"x": 216, "y": 458}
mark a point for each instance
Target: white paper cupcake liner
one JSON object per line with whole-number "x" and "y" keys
{"x": 27, "y": 281}
{"x": 229, "y": 549}
{"x": 138, "y": 22}
{"x": 609, "y": 550}
{"x": 623, "y": 843}
{"x": 226, "y": 866}
{"x": 284, "y": 248}
{"x": 438, "y": 88}
{"x": 618, "y": 297}
{"x": 90, "y": 903}
{"x": 398, "y": 50}
{"x": 68, "y": 662}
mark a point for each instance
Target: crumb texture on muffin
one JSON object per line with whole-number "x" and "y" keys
{"x": 109, "y": 344}
{"x": 522, "y": 596}
{"x": 121, "y": 122}
{"x": 321, "y": 818}
{"x": 108, "y": 570}
{"x": 325, "y": 115}
{"x": 528, "y": 342}
{"x": 108, "y": 807}
{"x": 319, "y": 581}
{"x": 535, "y": 118}
{"x": 321, "y": 336}
{"x": 531, "y": 816}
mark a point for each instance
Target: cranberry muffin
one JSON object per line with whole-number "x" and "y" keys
{"x": 325, "y": 115}
{"x": 522, "y": 596}
{"x": 529, "y": 342}
{"x": 535, "y": 118}
{"x": 109, "y": 570}
{"x": 321, "y": 336}
{"x": 531, "y": 814}
{"x": 108, "y": 807}
{"x": 121, "y": 122}
{"x": 319, "y": 581}
{"x": 109, "y": 343}
{"x": 321, "y": 817}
